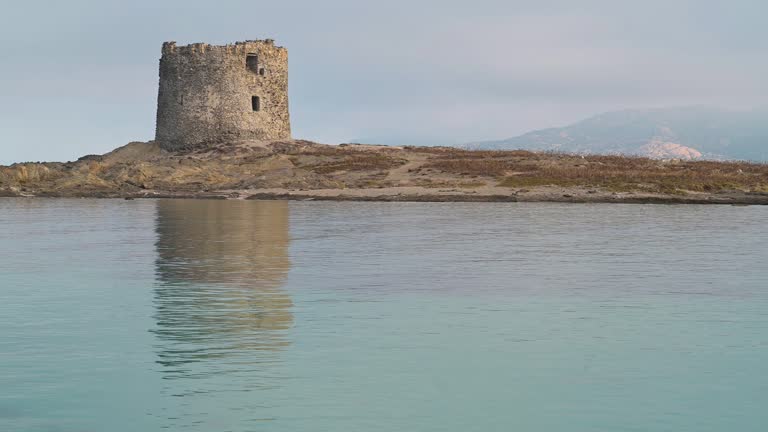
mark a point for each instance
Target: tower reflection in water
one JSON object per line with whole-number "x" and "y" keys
{"x": 219, "y": 303}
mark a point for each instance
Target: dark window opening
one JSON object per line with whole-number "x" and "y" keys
{"x": 256, "y": 103}
{"x": 262, "y": 71}
{"x": 252, "y": 62}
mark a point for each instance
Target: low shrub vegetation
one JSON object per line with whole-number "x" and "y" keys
{"x": 618, "y": 173}
{"x": 356, "y": 162}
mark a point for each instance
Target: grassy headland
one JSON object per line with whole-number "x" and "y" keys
{"x": 306, "y": 170}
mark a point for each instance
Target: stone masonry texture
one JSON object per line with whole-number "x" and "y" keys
{"x": 210, "y": 95}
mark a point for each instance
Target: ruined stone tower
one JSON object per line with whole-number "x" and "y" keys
{"x": 217, "y": 94}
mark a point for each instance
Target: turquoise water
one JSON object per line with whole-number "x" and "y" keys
{"x": 273, "y": 316}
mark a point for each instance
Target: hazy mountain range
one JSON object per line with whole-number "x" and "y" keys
{"x": 685, "y": 133}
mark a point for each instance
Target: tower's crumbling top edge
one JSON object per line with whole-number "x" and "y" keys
{"x": 171, "y": 47}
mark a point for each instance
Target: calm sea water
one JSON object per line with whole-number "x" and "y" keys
{"x": 274, "y": 316}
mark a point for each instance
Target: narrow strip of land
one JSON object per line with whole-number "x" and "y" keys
{"x": 302, "y": 170}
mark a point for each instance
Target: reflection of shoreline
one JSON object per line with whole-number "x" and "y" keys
{"x": 220, "y": 269}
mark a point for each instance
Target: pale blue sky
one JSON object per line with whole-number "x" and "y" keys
{"x": 80, "y": 76}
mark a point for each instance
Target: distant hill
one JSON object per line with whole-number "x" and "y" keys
{"x": 685, "y": 133}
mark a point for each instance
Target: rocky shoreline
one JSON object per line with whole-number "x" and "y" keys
{"x": 306, "y": 171}
{"x": 351, "y": 196}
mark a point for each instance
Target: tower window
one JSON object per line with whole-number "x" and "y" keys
{"x": 256, "y": 103}
{"x": 252, "y": 62}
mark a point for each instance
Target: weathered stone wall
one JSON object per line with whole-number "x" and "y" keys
{"x": 205, "y": 94}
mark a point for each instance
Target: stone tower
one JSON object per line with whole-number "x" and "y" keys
{"x": 217, "y": 94}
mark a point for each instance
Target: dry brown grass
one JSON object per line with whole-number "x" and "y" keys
{"x": 480, "y": 167}
{"x": 322, "y": 151}
{"x": 307, "y": 148}
{"x": 456, "y": 153}
{"x": 611, "y": 172}
{"x": 356, "y": 162}
{"x": 444, "y": 183}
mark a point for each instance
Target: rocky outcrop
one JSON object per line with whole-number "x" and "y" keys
{"x": 659, "y": 149}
